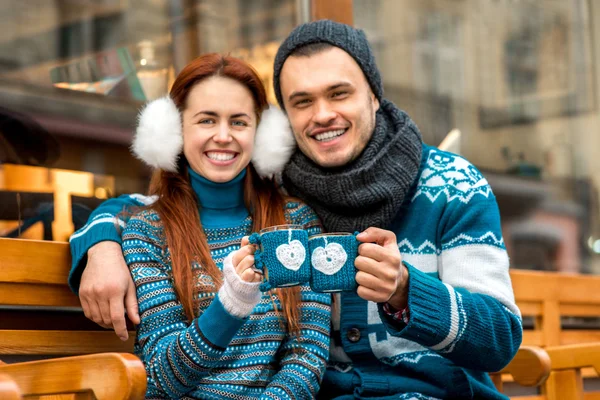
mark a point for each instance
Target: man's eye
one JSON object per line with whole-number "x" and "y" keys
{"x": 339, "y": 94}
{"x": 302, "y": 102}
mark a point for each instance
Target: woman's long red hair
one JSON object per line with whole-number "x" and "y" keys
{"x": 177, "y": 204}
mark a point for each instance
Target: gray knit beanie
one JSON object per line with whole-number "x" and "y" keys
{"x": 352, "y": 41}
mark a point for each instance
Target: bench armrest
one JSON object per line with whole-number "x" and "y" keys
{"x": 575, "y": 356}
{"x": 529, "y": 367}
{"x": 110, "y": 376}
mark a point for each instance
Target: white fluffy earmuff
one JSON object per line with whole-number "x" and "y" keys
{"x": 274, "y": 143}
{"x": 158, "y": 138}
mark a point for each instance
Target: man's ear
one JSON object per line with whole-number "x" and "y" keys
{"x": 375, "y": 101}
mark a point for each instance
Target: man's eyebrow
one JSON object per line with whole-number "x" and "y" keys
{"x": 339, "y": 85}
{"x": 335, "y": 86}
{"x": 297, "y": 94}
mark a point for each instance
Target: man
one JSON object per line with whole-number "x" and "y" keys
{"x": 434, "y": 310}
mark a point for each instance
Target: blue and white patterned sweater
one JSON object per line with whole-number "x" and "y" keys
{"x": 218, "y": 355}
{"x": 463, "y": 319}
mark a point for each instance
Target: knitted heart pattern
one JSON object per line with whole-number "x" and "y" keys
{"x": 291, "y": 255}
{"x": 329, "y": 259}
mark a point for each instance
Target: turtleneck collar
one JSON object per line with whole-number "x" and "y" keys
{"x": 221, "y": 204}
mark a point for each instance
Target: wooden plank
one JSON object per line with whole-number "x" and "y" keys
{"x": 533, "y": 338}
{"x": 27, "y": 294}
{"x": 580, "y": 310}
{"x": 564, "y": 385}
{"x": 109, "y": 376}
{"x": 537, "y": 397}
{"x": 336, "y": 10}
{"x": 47, "y": 262}
{"x": 530, "y": 308}
{"x": 20, "y": 342}
{"x": 551, "y": 323}
{"x": 575, "y": 356}
{"x": 574, "y": 289}
{"x": 9, "y": 389}
{"x": 577, "y": 336}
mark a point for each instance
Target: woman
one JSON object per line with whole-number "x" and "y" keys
{"x": 206, "y": 331}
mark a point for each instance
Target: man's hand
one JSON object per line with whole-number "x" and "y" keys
{"x": 107, "y": 289}
{"x": 381, "y": 276}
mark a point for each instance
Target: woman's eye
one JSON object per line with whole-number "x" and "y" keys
{"x": 206, "y": 121}
{"x": 239, "y": 123}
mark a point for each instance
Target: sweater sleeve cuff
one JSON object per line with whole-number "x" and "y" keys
{"x": 83, "y": 240}
{"x": 217, "y": 325}
{"x": 433, "y": 313}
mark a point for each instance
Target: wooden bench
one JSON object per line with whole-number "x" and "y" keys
{"x": 41, "y": 318}
{"x": 551, "y": 299}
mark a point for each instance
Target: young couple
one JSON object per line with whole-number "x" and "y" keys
{"x": 434, "y": 309}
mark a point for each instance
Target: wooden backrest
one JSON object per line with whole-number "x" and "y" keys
{"x": 9, "y": 389}
{"x": 39, "y": 315}
{"x": 548, "y": 296}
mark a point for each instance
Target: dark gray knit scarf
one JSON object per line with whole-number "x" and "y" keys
{"x": 370, "y": 190}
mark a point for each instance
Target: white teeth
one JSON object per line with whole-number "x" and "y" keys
{"x": 213, "y": 155}
{"x": 329, "y": 135}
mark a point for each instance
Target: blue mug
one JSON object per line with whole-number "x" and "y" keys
{"x": 332, "y": 262}
{"x": 282, "y": 256}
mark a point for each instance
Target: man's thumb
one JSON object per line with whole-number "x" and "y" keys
{"x": 131, "y": 304}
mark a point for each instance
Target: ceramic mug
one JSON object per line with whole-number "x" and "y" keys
{"x": 332, "y": 258}
{"x": 282, "y": 256}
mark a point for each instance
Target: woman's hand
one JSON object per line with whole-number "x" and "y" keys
{"x": 241, "y": 281}
{"x": 243, "y": 262}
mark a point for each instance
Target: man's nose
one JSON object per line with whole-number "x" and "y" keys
{"x": 324, "y": 113}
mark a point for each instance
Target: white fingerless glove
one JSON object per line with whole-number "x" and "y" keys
{"x": 237, "y": 296}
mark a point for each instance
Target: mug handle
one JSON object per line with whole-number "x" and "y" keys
{"x": 265, "y": 286}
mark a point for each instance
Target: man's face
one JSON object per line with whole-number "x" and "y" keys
{"x": 330, "y": 105}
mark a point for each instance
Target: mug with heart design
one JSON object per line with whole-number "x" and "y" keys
{"x": 332, "y": 259}
{"x": 282, "y": 256}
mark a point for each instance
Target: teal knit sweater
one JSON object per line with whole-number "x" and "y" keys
{"x": 218, "y": 355}
{"x": 463, "y": 318}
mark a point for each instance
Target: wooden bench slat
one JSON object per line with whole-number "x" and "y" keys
{"x": 533, "y": 338}
{"x": 23, "y": 294}
{"x": 62, "y": 342}
{"x": 579, "y": 336}
{"x": 530, "y": 308}
{"x": 580, "y": 310}
{"x": 45, "y": 261}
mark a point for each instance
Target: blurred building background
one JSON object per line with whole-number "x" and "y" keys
{"x": 518, "y": 78}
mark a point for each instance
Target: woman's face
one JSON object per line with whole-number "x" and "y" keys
{"x": 219, "y": 124}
